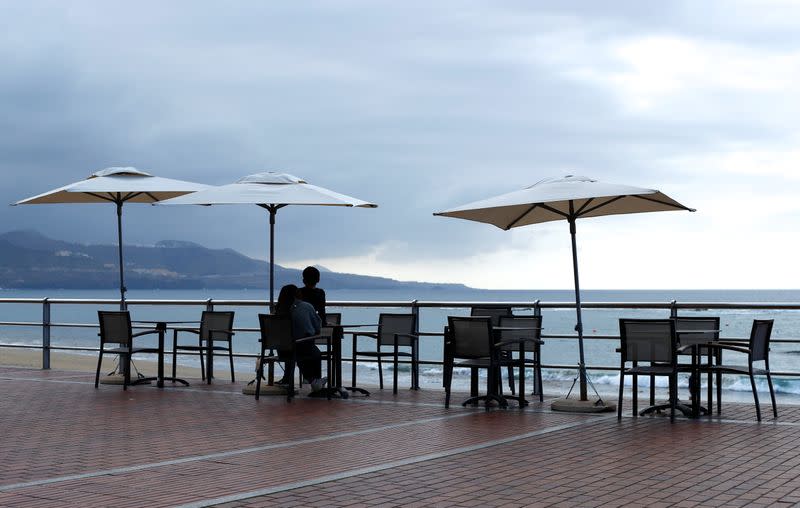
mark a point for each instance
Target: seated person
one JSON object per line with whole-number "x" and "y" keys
{"x": 311, "y": 293}
{"x": 305, "y": 323}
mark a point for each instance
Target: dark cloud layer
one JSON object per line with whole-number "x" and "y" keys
{"x": 417, "y": 106}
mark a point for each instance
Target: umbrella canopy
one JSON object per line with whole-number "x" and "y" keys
{"x": 119, "y": 186}
{"x": 270, "y": 191}
{"x": 569, "y": 198}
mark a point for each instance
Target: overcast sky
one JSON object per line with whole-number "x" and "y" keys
{"x": 421, "y": 106}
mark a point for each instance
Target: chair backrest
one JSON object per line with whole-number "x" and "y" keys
{"x": 333, "y": 318}
{"x": 471, "y": 337}
{"x": 759, "y": 339}
{"x": 390, "y": 324}
{"x": 521, "y": 322}
{"x": 698, "y": 323}
{"x": 648, "y": 340}
{"x": 276, "y": 332}
{"x": 115, "y": 327}
{"x": 212, "y": 321}
{"x": 494, "y": 312}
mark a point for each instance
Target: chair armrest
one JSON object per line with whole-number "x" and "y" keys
{"x": 229, "y": 333}
{"x": 146, "y": 332}
{"x": 191, "y": 330}
{"x": 517, "y": 341}
{"x": 313, "y": 337}
{"x": 729, "y": 347}
{"x": 372, "y": 335}
{"x": 409, "y": 335}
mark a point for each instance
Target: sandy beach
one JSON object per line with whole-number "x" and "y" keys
{"x": 16, "y": 357}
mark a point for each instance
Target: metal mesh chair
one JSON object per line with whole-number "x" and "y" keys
{"x": 470, "y": 342}
{"x": 276, "y": 335}
{"x": 652, "y": 341}
{"x": 495, "y": 313}
{"x": 395, "y": 331}
{"x": 532, "y": 345}
{"x": 215, "y": 327}
{"x": 115, "y": 328}
{"x": 757, "y": 350}
{"x": 709, "y": 326}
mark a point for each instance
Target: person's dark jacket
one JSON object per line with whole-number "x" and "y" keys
{"x": 316, "y": 297}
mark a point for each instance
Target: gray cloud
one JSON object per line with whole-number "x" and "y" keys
{"x": 417, "y": 106}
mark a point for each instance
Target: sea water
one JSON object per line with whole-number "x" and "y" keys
{"x": 734, "y": 324}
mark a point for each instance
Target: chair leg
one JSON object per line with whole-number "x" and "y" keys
{"x": 290, "y": 393}
{"x": 673, "y": 396}
{"x": 230, "y": 356}
{"x": 414, "y": 365}
{"x": 202, "y": 364}
{"x": 353, "y": 371}
{"x": 719, "y": 383}
{"x": 126, "y": 378}
{"x": 511, "y": 379}
{"x": 539, "y": 374}
{"x": 380, "y": 369}
{"x": 396, "y": 365}
{"x": 772, "y": 395}
{"x": 755, "y": 394}
{"x": 174, "y": 351}
{"x": 621, "y": 388}
{"x": 259, "y": 372}
{"x": 635, "y": 393}
{"x": 652, "y": 390}
{"x": 99, "y": 363}
{"x": 448, "y": 375}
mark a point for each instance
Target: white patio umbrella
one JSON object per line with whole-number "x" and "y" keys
{"x": 271, "y": 191}
{"x": 119, "y": 186}
{"x": 569, "y": 198}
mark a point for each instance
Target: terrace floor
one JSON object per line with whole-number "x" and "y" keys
{"x": 63, "y": 443}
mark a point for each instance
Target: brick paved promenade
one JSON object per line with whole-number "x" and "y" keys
{"x": 63, "y": 443}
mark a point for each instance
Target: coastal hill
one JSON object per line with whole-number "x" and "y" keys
{"x": 31, "y": 260}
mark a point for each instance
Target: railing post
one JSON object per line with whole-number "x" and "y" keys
{"x": 537, "y": 309}
{"x": 415, "y": 357}
{"x": 673, "y": 309}
{"x": 209, "y": 305}
{"x": 46, "y": 334}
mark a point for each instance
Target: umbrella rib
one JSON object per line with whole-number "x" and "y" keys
{"x": 674, "y": 205}
{"x": 580, "y": 210}
{"x": 149, "y": 195}
{"x": 601, "y": 205}
{"x": 515, "y": 221}
{"x": 100, "y": 196}
{"x": 554, "y": 210}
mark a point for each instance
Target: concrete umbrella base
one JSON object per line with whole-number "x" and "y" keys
{"x": 582, "y": 406}
{"x": 265, "y": 390}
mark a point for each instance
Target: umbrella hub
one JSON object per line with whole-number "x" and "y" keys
{"x": 271, "y": 177}
{"x": 565, "y": 179}
{"x": 118, "y": 171}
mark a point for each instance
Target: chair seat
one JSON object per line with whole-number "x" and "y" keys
{"x": 124, "y": 350}
{"x": 650, "y": 369}
{"x": 203, "y": 348}
{"x": 738, "y": 369}
{"x": 382, "y": 353}
{"x": 473, "y": 362}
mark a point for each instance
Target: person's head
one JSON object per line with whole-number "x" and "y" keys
{"x": 286, "y": 299}
{"x": 310, "y": 276}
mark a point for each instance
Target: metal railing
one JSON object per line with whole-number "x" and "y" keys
{"x": 414, "y": 306}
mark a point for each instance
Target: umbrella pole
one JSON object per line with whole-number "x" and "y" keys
{"x": 122, "y": 288}
{"x": 272, "y": 211}
{"x": 579, "y": 326}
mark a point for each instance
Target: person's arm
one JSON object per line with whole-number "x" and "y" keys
{"x": 316, "y": 321}
{"x": 322, "y": 314}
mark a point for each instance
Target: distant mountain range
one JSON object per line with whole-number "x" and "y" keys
{"x": 31, "y": 260}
